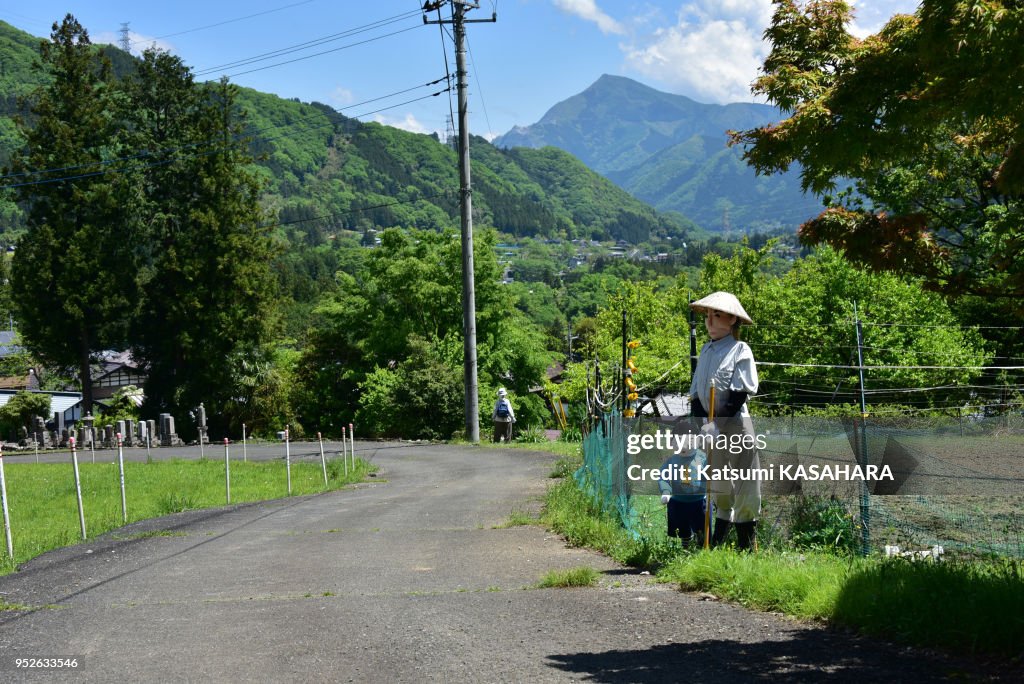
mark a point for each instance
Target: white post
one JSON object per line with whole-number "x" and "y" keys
{"x": 92, "y": 447}
{"x": 149, "y": 456}
{"x": 202, "y": 450}
{"x": 352, "y": 443}
{"x": 344, "y": 450}
{"x": 243, "y": 444}
{"x": 78, "y": 487}
{"x": 7, "y": 515}
{"x": 36, "y": 445}
{"x": 227, "y": 471}
{"x": 288, "y": 458}
{"x": 120, "y": 467}
{"x": 323, "y": 461}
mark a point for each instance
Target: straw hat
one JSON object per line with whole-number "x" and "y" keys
{"x": 723, "y": 301}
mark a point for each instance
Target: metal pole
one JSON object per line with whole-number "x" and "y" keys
{"x": 243, "y": 444}
{"x": 120, "y": 468}
{"x": 352, "y": 444}
{"x": 344, "y": 450}
{"x": 78, "y": 487}
{"x": 288, "y": 458}
{"x": 323, "y": 460}
{"x": 227, "y": 472}
{"x": 865, "y": 495}
{"x": 693, "y": 340}
{"x": 622, "y": 374}
{"x": 7, "y": 515}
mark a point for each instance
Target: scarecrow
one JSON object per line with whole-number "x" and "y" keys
{"x": 724, "y": 378}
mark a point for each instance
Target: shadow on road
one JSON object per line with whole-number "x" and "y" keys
{"x": 805, "y": 657}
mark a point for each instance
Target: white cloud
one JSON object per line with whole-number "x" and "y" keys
{"x": 341, "y": 97}
{"x": 588, "y": 10}
{"x": 715, "y": 48}
{"x": 869, "y": 16}
{"x": 712, "y": 53}
{"x": 407, "y": 123}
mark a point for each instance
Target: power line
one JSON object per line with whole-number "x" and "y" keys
{"x": 814, "y": 365}
{"x": 308, "y": 44}
{"x": 222, "y": 23}
{"x": 479, "y": 88}
{"x": 244, "y": 134}
{"x": 326, "y": 52}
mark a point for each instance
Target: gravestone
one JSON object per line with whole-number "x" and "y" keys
{"x": 168, "y": 437}
{"x": 39, "y": 431}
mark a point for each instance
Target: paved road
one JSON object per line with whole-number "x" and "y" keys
{"x": 410, "y": 578}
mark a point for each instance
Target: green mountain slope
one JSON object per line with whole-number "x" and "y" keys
{"x": 670, "y": 152}
{"x": 326, "y": 172}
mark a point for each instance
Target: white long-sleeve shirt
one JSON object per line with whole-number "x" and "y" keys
{"x": 728, "y": 363}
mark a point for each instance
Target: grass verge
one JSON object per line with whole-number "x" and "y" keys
{"x": 974, "y": 608}
{"x": 44, "y": 509}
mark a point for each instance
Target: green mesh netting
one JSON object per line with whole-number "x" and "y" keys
{"x": 959, "y": 482}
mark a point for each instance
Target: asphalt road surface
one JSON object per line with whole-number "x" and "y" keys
{"x": 409, "y": 578}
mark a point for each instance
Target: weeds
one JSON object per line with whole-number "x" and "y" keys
{"x": 574, "y": 577}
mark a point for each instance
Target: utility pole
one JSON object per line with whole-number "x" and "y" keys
{"x": 459, "y": 21}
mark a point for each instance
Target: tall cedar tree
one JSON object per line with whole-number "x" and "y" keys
{"x": 208, "y": 285}
{"x": 74, "y": 279}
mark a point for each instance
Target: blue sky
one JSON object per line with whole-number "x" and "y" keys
{"x": 538, "y": 53}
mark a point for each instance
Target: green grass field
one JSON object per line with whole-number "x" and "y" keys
{"x": 44, "y": 509}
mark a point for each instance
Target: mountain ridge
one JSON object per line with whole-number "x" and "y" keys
{"x": 671, "y": 152}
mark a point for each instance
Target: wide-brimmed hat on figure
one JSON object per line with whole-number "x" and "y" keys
{"x": 723, "y": 301}
{"x": 502, "y": 392}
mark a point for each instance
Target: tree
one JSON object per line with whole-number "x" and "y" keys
{"x": 18, "y": 412}
{"x": 805, "y": 317}
{"x": 74, "y": 278}
{"x": 388, "y": 341}
{"x": 208, "y": 287}
{"x": 921, "y": 118}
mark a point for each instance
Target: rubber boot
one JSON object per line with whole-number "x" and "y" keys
{"x": 746, "y": 536}
{"x": 721, "y": 532}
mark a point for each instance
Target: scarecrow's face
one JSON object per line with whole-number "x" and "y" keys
{"x": 718, "y": 323}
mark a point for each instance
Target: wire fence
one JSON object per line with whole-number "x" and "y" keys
{"x": 75, "y": 480}
{"x": 957, "y": 484}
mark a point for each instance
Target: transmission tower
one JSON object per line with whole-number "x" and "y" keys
{"x": 449, "y": 133}
{"x": 126, "y": 43}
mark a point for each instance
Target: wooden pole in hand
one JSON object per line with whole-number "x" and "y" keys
{"x": 707, "y": 483}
